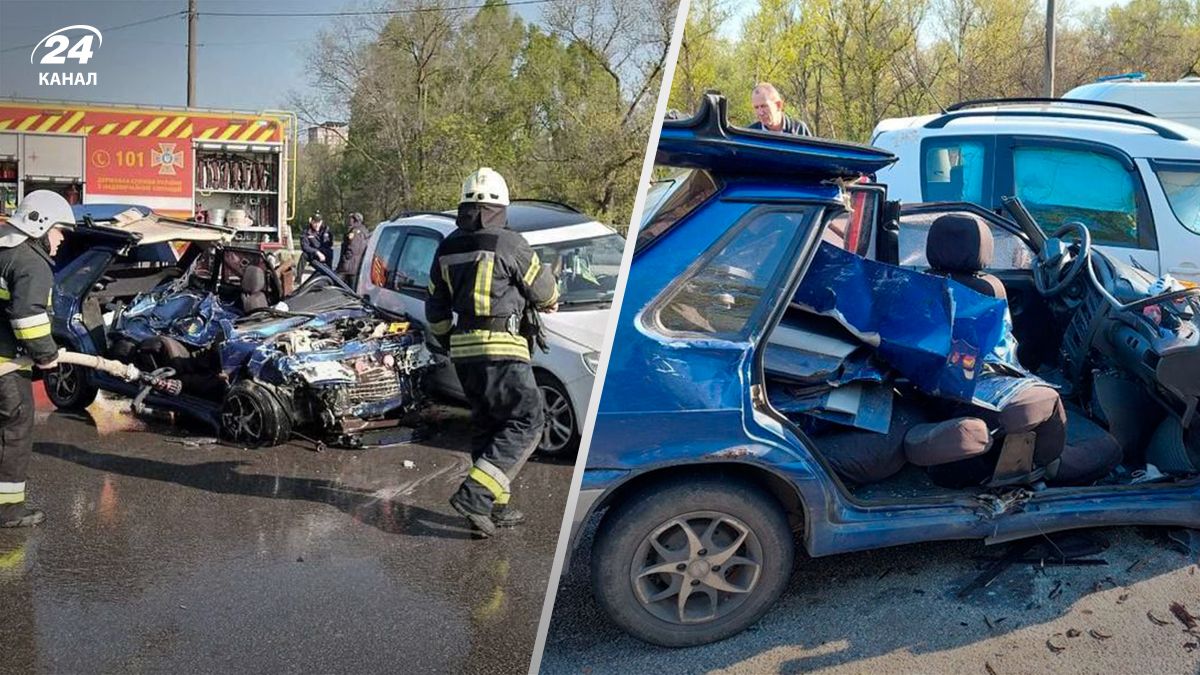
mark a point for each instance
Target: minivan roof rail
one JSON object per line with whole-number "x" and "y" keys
{"x": 1164, "y": 132}
{"x": 1037, "y": 99}
{"x": 547, "y": 202}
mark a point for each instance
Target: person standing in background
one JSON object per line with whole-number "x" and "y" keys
{"x": 768, "y": 107}
{"x": 316, "y": 243}
{"x": 354, "y": 245}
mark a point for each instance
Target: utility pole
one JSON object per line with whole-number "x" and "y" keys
{"x": 1048, "y": 73}
{"x": 191, "y": 53}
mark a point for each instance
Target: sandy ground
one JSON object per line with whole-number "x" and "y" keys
{"x": 899, "y": 611}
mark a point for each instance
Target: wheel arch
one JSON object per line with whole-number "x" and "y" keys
{"x": 785, "y": 493}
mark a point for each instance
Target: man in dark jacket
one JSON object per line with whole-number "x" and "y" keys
{"x": 768, "y": 108}
{"x": 487, "y": 275}
{"x": 25, "y": 285}
{"x": 354, "y": 244}
{"x": 316, "y": 243}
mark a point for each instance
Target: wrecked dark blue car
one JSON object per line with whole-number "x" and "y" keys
{"x": 256, "y": 360}
{"x": 799, "y": 359}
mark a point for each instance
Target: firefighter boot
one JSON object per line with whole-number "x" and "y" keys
{"x": 19, "y": 515}
{"x": 504, "y": 515}
{"x": 481, "y": 525}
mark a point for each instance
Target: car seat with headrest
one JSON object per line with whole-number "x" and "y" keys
{"x": 254, "y": 289}
{"x": 960, "y": 247}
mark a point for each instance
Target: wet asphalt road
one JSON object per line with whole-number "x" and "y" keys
{"x": 163, "y": 556}
{"x": 898, "y": 611}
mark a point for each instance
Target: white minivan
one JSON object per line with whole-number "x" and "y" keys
{"x": 1133, "y": 179}
{"x": 1176, "y": 101}
{"x": 586, "y": 258}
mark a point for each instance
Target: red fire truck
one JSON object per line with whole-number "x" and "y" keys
{"x": 233, "y": 168}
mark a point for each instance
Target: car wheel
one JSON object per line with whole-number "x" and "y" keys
{"x": 68, "y": 389}
{"x": 692, "y": 561}
{"x": 560, "y": 435}
{"x": 252, "y": 416}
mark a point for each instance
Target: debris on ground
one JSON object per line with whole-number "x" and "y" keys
{"x": 1157, "y": 621}
{"x": 988, "y": 667}
{"x": 1185, "y": 617}
{"x": 1136, "y": 564}
{"x": 1098, "y": 634}
{"x": 1074, "y": 632}
{"x": 193, "y": 442}
{"x": 1056, "y": 591}
{"x": 1122, "y": 598}
{"x": 409, "y": 464}
{"x": 1054, "y": 646}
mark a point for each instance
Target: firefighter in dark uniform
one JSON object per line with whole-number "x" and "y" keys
{"x": 487, "y": 274}
{"x": 25, "y": 284}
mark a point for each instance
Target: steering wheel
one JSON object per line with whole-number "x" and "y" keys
{"x": 1056, "y": 266}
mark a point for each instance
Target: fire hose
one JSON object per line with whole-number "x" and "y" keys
{"x": 230, "y": 172}
{"x": 159, "y": 380}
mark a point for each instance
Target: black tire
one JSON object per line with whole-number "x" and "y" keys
{"x": 67, "y": 388}
{"x": 560, "y": 439}
{"x": 252, "y": 416}
{"x": 622, "y": 553}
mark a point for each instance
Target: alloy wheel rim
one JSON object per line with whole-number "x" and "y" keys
{"x": 696, "y": 568}
{"x": 243, "y": 418}
{"x": 65, "y": 382}
{"x": 560, "y": 422}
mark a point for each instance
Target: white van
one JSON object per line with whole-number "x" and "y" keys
{"x": 1133, "y": 179}
{"x": 1175, "y": 101}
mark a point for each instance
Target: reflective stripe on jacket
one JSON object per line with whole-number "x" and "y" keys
{"x": 486, "y": 273}
{"x": 25, "y": 286}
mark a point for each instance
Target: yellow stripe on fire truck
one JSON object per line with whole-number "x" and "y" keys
{"x": 149, "y": 128}
{"x": 45, "y": 126}
{"x": 66, "y": 127}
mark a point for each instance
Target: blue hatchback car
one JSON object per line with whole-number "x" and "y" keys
{"x": 705, "y": 469}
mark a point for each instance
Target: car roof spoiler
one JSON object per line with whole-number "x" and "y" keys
{"x": 707, "y": 141}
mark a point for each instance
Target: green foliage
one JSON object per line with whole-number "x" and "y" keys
{"x": 561, "y": 109}
{"x": 843, "y": 65}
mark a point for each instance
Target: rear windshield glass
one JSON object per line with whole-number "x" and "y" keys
{"x": 669, "y": 200}
{"x": 1181, "y": 183}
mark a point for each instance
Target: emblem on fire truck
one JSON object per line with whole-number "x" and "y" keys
{"x": 166, "y": 158}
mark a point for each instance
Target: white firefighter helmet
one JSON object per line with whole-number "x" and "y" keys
{"x": 485, "y": 186}
{"x": 39, "y": 211}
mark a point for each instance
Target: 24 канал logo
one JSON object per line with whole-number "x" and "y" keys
{"x": 58, "y": 48}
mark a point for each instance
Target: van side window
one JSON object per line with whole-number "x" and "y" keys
{"x": 416, "y": 259}
{"x": 954, "y": 170}
{"x": 1060, "y": 185}
{"x": 1181, "y": 183}
{"x": 381, "y": 260}
{"x": 718, "y": 297}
